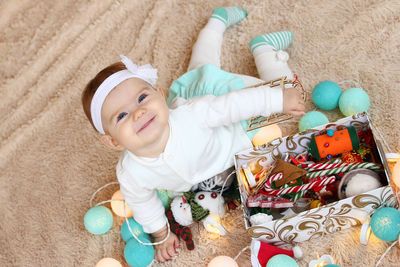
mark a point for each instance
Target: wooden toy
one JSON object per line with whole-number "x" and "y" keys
{"x": 333, "y": 143}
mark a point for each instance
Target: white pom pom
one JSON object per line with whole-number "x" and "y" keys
{"x": 361, "y": 183}
{"x": 260, "y": 218}
{"x": 298, "y": 253}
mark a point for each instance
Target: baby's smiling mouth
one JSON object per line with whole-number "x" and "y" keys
{"x": 146, "y": 124}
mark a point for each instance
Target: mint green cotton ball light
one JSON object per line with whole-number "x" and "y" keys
{"x": 326, "y": 95}
{"x": 312, "y": 119}
{"x": 138, "y": 255}
{"x": 281, "y": 260}
{"x": 137, "y": 229}
{"x": 385, "y": 224}
{"x": 164, "y": 197}
{"x": 353, "y": 101}
{"x": 98, "y": 220}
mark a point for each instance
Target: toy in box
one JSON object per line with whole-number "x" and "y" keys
{"x": 321, "y": 181}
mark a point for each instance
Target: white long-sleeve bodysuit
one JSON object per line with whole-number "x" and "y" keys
{"x": 205, "y": 134}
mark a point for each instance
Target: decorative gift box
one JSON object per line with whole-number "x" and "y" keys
{"x": 302, "y": 225}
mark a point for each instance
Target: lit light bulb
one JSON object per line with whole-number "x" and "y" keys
{"x": 213, "y": 225}
{"x": 118, "y": 206}
{"x": 365, "y": 233}
{"x": 396, "y": 174}
{"x": 267, "y": 134}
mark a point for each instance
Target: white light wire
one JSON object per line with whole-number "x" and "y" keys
{"x": 98, "y": 190}
{"x": 222, "y": 190}
{"x": 384, "y": 254}
{"x": 126, "y": 218}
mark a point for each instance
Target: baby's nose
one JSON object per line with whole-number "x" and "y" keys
{"x": 139, "y": 113}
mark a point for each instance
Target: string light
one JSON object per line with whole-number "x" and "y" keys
{"x": 396, "y": 174}
{"x": 385, "y": 224}
{"x": 108, "y": 262}
{"x": 126, "y": 218}
{"x": 118, "y": 206}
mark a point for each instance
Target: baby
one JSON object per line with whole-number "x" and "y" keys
{"x": 194, "y": 137}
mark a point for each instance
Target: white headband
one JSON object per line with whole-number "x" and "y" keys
{"x": 145, "y": 72}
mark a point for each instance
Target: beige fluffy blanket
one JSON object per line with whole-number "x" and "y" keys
{"x": 52, "y": 161}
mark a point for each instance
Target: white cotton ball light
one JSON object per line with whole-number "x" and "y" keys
{"x": 266, "y": 134}
{"x": 222, "y": 261}
{"x": 108, "y": 262}
{"x": 117, "y": 206}
{"x": 396, "y": 174}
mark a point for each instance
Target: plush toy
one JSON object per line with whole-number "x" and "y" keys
{"x": 183, "y": 232}
{"x": 199, "y": 207}
{"x": 182, "y": 211}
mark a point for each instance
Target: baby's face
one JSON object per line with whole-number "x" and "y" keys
{"x": 136, "y": 115}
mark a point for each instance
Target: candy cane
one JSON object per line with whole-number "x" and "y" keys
{"x": 323, "y": 181}
{"x": 322, "y": 166}
{"x": 272, "y": 178}
{"x": 371, "y": 166}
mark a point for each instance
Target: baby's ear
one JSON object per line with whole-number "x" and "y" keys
{"x": 161, "y": 91}
{"x": 110, "y": 142}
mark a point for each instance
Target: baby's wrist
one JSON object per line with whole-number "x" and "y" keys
{"x": 160, "y": 234}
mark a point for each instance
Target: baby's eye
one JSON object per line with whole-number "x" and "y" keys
{"x": 141, "y": 97}
{"x": 121, "y": 116}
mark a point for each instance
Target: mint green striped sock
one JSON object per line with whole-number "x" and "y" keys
{"x": 229, "y": 15}
{"x": 278, "y": 40}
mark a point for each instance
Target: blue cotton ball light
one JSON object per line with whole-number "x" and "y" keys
{"x": 137, "y": 229}
{"x": 163, "y": 195}
{"x": 353, "y": 101}
{"x": 385, "y": 224}
{"x": 282, "y": 260}
{"x": 138, "y": 255}
{"x": 326, "y": 95}
{"x": 312, "y": 119}
{"x": 98, "y": 220}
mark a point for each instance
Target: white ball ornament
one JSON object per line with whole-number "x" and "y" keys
{"x": 222, "y": 261}
{"x": 361, "y": 183}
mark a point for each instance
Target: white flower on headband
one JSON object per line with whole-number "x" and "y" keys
{"x": 145, "y": 72}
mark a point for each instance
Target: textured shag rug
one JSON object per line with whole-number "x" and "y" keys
{"x": 52, "y": 161}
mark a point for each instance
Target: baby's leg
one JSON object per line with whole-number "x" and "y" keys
{"x": 270, "y": 60}
{"x": 207, "y": 49}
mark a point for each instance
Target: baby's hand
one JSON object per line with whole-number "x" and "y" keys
{"x": 165, "y": 251}
{"x": 293, "y": 102}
